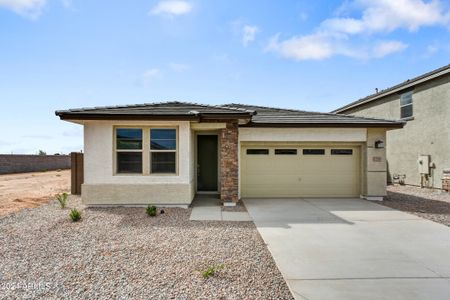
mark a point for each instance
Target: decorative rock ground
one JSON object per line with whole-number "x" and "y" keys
{"x": 429, "y": 204}
{"x": 122, "y": 253}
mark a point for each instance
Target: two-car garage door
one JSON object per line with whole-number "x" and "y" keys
{"x": 300, "y": 171}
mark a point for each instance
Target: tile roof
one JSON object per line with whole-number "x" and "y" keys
{"x": 257, "y": 115}
{"x": 396, "y": 88}
{"x": 268, "y": 116}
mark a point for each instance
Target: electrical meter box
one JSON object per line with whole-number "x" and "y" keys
{"x": 424, "y": 164}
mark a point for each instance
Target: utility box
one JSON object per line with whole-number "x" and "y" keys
{"x": 424, "y": 164}
{"x": 446, "y": 180}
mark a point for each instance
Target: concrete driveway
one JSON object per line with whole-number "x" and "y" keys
{"x": 354, "y": 249}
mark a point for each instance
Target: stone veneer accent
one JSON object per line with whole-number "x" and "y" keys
{"x": 229, "y": 163}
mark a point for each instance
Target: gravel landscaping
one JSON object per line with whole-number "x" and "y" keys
{"x": 122, "y": 253}
{"x": 429, "y": 204}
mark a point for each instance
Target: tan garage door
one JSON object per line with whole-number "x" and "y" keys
{"x": 303, "y": 171}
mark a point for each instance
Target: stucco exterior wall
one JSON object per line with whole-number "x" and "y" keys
{"x": 303, "y": 134}
{"x": 428, "y": 133}
{"x": 102, "y": 186}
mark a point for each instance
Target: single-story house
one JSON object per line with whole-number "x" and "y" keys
{"x": 166, "y": 153}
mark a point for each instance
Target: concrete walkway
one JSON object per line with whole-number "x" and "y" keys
{"x": 209, "y": 208}
{"x": 354, "y": 249}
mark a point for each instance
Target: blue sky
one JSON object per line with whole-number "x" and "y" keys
{"x": 311, "y": 55}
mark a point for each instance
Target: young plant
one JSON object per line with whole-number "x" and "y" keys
{"x": 211, "y": 271}
{"x": 151, "y": 210}
{"x": 62, "y": 199}
{"x": 75, "y": 215}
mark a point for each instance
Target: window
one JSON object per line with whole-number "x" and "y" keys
{"x": 406, "y": 105}
{"x": 129, "y": 150}
{"x": 285, "y": 151}
{"x": 341, "y": 151}
{"x": 257, "y": 151}
{"x": 313, "y": 151}
{"x": 163, "y": 150}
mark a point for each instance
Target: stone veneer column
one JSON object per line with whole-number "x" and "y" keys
{"x": 229, "y": 163}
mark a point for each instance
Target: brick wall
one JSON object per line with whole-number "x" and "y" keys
{"x": 16, "y": 163}
{"x": 229, "y": 163}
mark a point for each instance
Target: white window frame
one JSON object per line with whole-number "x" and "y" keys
{"x": 163, "y": 151}
{"x": 116, "y": 150}
{"x": 146, "y": 151}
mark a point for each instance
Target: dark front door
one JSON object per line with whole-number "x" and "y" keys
{"x": 207, "y": 163}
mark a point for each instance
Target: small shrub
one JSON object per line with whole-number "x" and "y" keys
{"x": 62, "y": 199}
{"x": 75, "y": 215}
{"x": 151, "y": 210}
{"x": 211, "y": 271}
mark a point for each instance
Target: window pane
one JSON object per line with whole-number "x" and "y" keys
{"x": 313, "y": 151}
{"x": 257, "y": 151}
{"x": 129, "y": 162}
{"x": 129, "y": 138}
{"x": 163, "y": 139}
{"x": 406, "y": 111}
{"x": 341, "y": 151}
{"x": 406, "y": 98}
{"x": 163, "y": 134}
{"x": 163, "y": 162}
{"x": 163, "y": 144}
{"x": 285, "y": 151}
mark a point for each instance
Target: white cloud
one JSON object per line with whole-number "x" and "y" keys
{"x": 308, "y": 47}
{"x": 149, "y": 77}
{"x": 339, "y": 35}
{"x": 249, "y": 34}
{"x": 28, "y": 8}
{"x": 388, "y": 47}
{"x": 178, "y": 67}
{"x": 151, "y": 74}
{"x": 171, "y": 8}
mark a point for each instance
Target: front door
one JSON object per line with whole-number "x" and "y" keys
{"x": 207, "y": 163}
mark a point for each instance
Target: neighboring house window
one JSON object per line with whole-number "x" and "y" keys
{"x": 406, "y": 105}
{"x": 129, "y": 150}
{"x": 163, "y": 150}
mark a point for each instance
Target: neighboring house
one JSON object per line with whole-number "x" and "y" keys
{"x": 420, "y": 151}
{"x": 165, "y": 153}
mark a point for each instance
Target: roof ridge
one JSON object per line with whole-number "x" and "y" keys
{"x": 268, "y": 107}
{"x": 155, "y": 104}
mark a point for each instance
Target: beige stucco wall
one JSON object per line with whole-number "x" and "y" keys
{"x": 428, "y": 133}
{"x": 375, "y": 164}
{"x": 102, "y": 186}
{"x": 373, "y": 173}
{"x": 302, "y": 134}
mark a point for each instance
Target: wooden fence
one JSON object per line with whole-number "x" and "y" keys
{"x": 77, "y": 172}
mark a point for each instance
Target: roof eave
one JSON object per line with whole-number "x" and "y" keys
{"x": 325, "y": 125}
{"x": 144, "y": 117}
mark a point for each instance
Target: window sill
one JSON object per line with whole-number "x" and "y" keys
{"x": 145, "y": 175}
{"x": 407, "y": 119}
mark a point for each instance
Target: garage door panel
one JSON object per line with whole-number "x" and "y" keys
{"x": 300, "y": 175}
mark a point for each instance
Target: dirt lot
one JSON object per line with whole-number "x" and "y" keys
{"x": 26, "y": 190}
